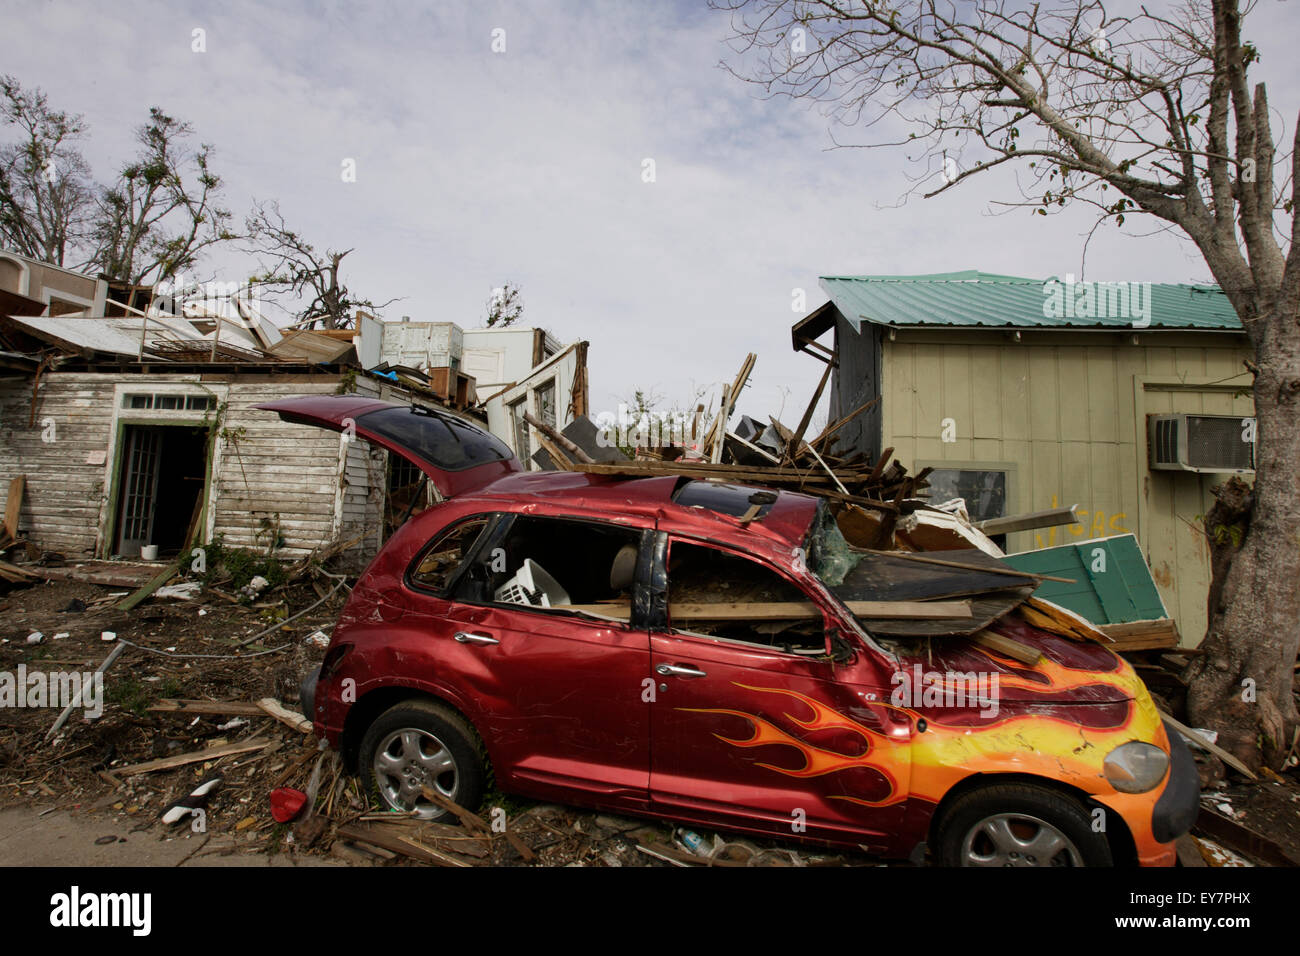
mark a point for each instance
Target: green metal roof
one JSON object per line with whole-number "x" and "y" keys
{"x": 982, "y": 300}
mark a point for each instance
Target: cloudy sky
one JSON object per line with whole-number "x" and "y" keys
{"x": 474, "y": 167}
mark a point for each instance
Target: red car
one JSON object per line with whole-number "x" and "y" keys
{"x": 589, "y": 638}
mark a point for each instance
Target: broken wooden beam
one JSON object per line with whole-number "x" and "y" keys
{"x": 1160, "y": 634}
{"x": 216, "y": 708}
{"x": 1027, "y": 522}
{"x": 559, "y": 439}
{"x": 154, "y": 584}
{"x": 1204, "y": 742}
{"x": 284, "y": 715}
{"x": 198, "y": 756}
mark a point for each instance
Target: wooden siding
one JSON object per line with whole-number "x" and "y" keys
{"x": 269, "y": 474}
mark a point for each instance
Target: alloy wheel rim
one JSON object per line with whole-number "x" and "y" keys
{"x": 405, "y": 762}
{"x": 1018, "y": 839}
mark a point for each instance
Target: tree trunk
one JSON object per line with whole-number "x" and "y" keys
{"x": 1243, "y": 685}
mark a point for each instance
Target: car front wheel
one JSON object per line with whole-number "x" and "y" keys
{"x": 418, "y": 744}
{"x": 1020, "y": 825}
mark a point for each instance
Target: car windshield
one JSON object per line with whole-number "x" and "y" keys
{"x": 830, "y": 556}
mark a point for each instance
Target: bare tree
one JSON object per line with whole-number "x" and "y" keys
{"x": 46, "y": 194}
{"x": 1149, "y": 114}
{"x": 162, "y": 211}
{"x": 294, "y": 267}
{"x": 504, "y": 307}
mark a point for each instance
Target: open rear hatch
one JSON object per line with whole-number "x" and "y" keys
{"x": 456, "y": 455}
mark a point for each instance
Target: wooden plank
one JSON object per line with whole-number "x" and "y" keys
{"x": 561, "y": 461}
{"x": 1007, "y": 646}
{"x": 1051, "y": 518}
{"x": 13, "y": 504}
{"x": 395, "y": 843}
{"x": 1241, "y": 838}
{"x": 796, "y": 443}
{"x": 788, "y": 610}
{"x": 1203, "y": 741}
{"x": 198, "y": 756}
{"x": 577, "y": 453}
{"x": 283, "y": 714}
{"x": 1142, "y": 635}
{"x": 158, "y": 581}
{"x": 475, "y": 822}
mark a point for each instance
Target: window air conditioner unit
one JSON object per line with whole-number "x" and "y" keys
{"x": 1201, "y": 443}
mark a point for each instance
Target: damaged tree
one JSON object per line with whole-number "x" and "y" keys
{"x": 46, "y": 195}
{"x": 297, "y": 269}
{"x": 166, "y": 185}
{"x": 1138, "y": 114}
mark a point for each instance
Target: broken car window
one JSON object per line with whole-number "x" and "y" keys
{"x": 449, "y": 550}
{"x": 555, "y": 563}
{"x": 830, "y": 556}
{"x": 712, "y": 593}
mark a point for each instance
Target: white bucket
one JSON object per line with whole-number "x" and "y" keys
{"x": 149, "y": 552}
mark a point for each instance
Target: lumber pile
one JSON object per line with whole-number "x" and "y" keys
{"x": 770, "y": 455}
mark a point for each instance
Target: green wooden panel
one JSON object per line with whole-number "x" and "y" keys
{"x": 1113, "y": 584}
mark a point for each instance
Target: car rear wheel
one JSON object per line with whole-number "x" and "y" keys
{"x": 1020, "y": 825}
{"x": 418, "y": 744}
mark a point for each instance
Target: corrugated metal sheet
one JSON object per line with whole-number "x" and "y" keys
{"x": 979, "y": 299}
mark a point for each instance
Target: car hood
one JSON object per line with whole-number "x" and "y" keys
{"x": 1067, "y": 672}
{"x": 455, "y": 454}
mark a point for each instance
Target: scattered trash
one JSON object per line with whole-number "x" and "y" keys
{"x": 62, "y": 634}
{"x": 108, "y": 636}
{"x": 35, "y": 637}
{"x": 317, "y": 638}
{"x": 185, "y": 591}
{"x": 185, "y": 807}
{"x": 287, "y": 803}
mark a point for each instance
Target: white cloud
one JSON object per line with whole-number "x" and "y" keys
{"x": 475, "y": 167}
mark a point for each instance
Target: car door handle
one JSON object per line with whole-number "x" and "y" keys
{"x": 464, "y": 637}
{"x": 679, "y": 670}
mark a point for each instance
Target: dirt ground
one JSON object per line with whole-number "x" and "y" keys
{"x": 67, "y": 801}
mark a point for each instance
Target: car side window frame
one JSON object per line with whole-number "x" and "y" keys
{"x": 829, "y": 622}
{"x": 488, "y": 534}
{"x": 495, "y": 535}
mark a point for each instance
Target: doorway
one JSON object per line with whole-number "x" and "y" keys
{"x": 163, "y": 472}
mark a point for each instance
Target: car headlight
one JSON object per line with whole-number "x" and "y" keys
{"x": 1136, "y": 767}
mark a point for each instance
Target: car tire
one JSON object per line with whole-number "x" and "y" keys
{"x": 420, "y": 743}
{"x": 1017, "y": 824}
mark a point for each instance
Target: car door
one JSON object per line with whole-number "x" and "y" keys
{"x": 754, "y": 721}
{"x": 558, "y": 696}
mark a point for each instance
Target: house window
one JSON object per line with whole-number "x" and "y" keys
{"x": 985, "y": 492}
{"x": 546, "y": 403}
{"x": 523, "y": 448}
{"x": 168, "y": 401}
